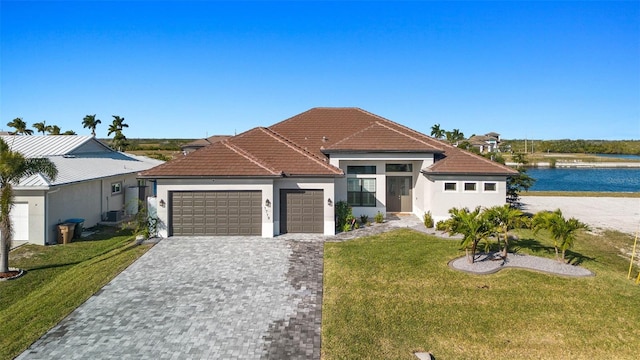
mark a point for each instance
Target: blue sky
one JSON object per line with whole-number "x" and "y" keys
{"x": 542, "y": 70}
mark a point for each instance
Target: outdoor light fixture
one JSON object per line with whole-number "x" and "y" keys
{"x": 329, "y": 202}
{"x": 267, "y": 203}
{"x": 162, "y": 203}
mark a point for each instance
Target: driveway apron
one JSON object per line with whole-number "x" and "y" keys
{"x": 213, "y": 297}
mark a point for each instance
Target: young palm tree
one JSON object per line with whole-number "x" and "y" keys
{"x": 20, "y": 126}
{"x": 91, "y": 122}
{"x": 474, "y": 226}
{"x": 437, "y": 132}
{"x": 504, "y": 218}
{"x": 562, "y": 231}
{"x": 13, "y": 167}
{"x": 42, "y": 127}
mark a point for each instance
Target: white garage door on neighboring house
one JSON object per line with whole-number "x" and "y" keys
{"x": 200, "y": 213}
{"x": 20, "y": 221}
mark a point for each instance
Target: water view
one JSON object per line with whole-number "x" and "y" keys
{"x": 591, "y": 179}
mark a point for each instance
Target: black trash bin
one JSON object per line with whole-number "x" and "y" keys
{"x": 79, "y": 225}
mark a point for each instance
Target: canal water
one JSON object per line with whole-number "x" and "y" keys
{"x": 589, "y": 179}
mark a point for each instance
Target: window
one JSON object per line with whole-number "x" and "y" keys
{"x": 116, "y": 188}
{"x": 469, "y": 186}
{"x": 142, "y": 182}
{"x": 490, "y": 187}
{"x": 399, "y": 167}
{"x": 449, "y": 186}
{"x": 361, "y": 169}
{"x": 361, "y": 192}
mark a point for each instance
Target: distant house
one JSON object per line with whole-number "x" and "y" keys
{"x": 486, "y": 143}
{"x": 94, "y": 183}
{"x": 200, "y": 143}
{"x": 287, "y": 178}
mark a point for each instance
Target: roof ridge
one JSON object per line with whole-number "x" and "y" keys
{"x": 398, "y": 131}
{"x": 298, "y": 149}
{"x": 238, "y": 150}
{"x": 352, "y": 135}
{"x": 399, "y": 125}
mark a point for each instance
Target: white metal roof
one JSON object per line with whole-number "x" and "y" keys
{"x": 49, "y": 145}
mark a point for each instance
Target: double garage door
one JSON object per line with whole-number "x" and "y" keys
{"x": 199, "y": 213}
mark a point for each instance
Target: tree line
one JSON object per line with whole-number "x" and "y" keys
{"x": 119, "y": 141}
{"x": 564, "y": 146}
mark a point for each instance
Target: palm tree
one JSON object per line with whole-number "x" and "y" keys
{"x": 119, "y": 140}
{"x": 474, "y": 226}
{"x": 91, "y": 122}
{"x": 437, "y": 132}
{"x": 20, "y": 126}
{"x": 54, "y": 130}
{"x": 562, "y": 231}
{"x": 13, "y": 167}
{"x": 42, "y": 127}
{"x": 69, "y": 132}
{"x": 504, "y": 218}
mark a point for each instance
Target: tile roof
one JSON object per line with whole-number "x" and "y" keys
{"x": 204, "y": 142}
{"x": 301, "y": 144}
{"x": 257, "y": 152}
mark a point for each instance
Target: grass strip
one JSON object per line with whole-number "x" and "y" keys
{"x": 35, "y": 305}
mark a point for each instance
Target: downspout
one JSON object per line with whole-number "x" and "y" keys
{"x": 46, "y": 216}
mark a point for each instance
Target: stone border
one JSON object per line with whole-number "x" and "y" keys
{"x": 20, "y": 273}
{"x": 485, "y": 265}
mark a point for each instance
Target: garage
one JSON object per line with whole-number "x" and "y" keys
{"x": 206, "y": 213}
{"x": 301, "y": 211}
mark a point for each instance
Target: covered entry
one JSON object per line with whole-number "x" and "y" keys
{"x": 197, "y": 213}
{"x": 301, "y": 211}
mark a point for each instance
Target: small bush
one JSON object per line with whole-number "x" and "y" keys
{"x": 428, "y": 220}
{"x": 343, "y": 212}
{"x": 441, "y": 226}
{"x": 379, "y": 218}
{"x": 364, "y": 219}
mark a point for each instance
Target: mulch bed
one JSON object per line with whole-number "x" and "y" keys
{"x": 11, "y": 274}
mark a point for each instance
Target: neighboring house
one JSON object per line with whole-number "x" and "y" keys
{"x": 486, "y": 143}
{"x": 200, "y": 143}
{"x": 288, "y": 177}
{"x": 94, "y": 183}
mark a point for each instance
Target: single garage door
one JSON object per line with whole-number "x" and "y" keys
{"x": 301, "y": 211}
{"x": 19, "y": 216}
{"x": 198, "y": 213}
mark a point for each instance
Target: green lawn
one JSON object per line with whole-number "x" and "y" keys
{"x": 390, "y": 295}
{"x": 58, "y": 279}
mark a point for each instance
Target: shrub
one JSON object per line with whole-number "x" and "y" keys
{"x": 428, "y": 220}
{"x": 364, "y": 219}
{"x": 343, "y": 211}
{"x": 441, "y": 225}
{"x": 379, "y": 218}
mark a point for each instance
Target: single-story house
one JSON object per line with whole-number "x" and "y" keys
{"x": 94, "y": 183}
{"x": 287, "y": 178}
{"x": 200, "y": 143}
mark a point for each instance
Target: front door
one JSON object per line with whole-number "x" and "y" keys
{"x": 399, "y": 194}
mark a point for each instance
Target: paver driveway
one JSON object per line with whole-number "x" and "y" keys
{"x": 222, "y": 298}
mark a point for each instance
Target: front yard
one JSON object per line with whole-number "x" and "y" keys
{"x": 59, "y": 278}
{"x": 390, "y": 295}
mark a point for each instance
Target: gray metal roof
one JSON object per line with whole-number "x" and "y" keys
{"x": 49, "y": 145}
{"x": 77, "y": 158}
{"x": 89, "y": 167}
